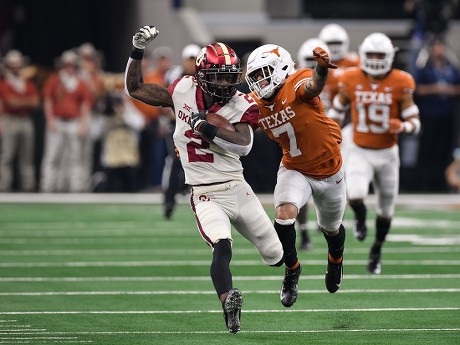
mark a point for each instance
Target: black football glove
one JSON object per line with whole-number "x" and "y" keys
{"x": 196, "y": 120}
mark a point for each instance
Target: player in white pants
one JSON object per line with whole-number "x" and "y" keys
{"x": 220, "y": 198}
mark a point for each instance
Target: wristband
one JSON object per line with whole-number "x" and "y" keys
{"x": 208, "y": 130}
{"x": 409, "y": 127}
{"x": 137, "y": 54}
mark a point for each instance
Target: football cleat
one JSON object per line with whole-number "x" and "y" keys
{"x": 306, "y": 245}
{"x": 374, "y": 265}
{"x": 232, "y": 310}
{"x": 168, "y": 210}
{"x": 288, "y": 293}
{"x": 359, "y": 231}
{"x": 334, "y": 276}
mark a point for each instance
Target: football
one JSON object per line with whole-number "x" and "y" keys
{"x": 219, "y": 121}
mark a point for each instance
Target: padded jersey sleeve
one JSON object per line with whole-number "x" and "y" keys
{"x": 297, "y": 81}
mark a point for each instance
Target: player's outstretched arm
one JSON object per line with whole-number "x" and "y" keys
{"x": 135, "y": 87}
{"x": 314, "y": 86}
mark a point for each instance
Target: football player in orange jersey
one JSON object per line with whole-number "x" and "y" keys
{"x": 382, "y": 106}
{"x": 291, "y": 113}
{"x": 305, "y": 59}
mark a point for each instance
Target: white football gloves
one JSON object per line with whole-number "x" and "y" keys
{"x": 144, "y": 36}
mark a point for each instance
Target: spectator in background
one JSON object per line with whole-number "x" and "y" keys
{"x": 437, "y": 94}
{"x": 152, "y": 139}
{"x": 19, "y": 97}
{"x": 120, "y": 144}
{"x": 67, "y": 103}
{"x": 173, "y": 172}
{"x": 91, "y": 72}
{"x": 431, "y": 19}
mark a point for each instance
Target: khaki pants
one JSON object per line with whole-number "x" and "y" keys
{"x": 17, "y": 137}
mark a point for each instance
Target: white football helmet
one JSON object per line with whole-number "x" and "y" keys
{"x": 275, "y": 65}
{"x": 336, "y": 39}
{"x": 380, "y": 44}
{"x": 305, "y": 55}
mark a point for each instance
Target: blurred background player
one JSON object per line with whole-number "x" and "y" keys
{"x": 338, "y": 43}
{"x": 173, "y": 172}
{"x": 220, "y": 198}
{"x": 382, "y": 106}
{"x": 19, "y": 97}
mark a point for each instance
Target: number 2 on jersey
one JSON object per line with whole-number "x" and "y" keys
{"x": 196, "y": 142}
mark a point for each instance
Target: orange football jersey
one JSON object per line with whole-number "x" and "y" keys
{"x": 309, "y": 139}
{"x": 374, "y": 103}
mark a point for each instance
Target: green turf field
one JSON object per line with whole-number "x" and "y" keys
{"x": 120, "y": 274}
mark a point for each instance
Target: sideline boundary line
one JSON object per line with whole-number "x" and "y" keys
{"x": 426, "y": 200}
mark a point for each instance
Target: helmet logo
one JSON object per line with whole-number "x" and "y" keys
{"x": 274, "y": 51}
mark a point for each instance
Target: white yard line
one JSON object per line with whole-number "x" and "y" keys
{"x": 235, "y": 278}
{"x": 206, "y": 251}
{"x": 180, "y": 263}
{"x": 413, "y": 200}
{"x": 209, "y": 292}
{"x": 374, "y": 330}
{"x": 219, "y": 311}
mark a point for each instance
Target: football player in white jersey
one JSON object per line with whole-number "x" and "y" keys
{"x": 220, "y": 196}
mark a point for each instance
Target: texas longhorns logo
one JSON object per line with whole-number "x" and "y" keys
{"x": 271, "y": 106}
{"x": 274, "y": 51}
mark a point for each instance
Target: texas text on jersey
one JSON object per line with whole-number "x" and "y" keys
{"x": 286, "y": 120}
{"x": 374, "y": 103}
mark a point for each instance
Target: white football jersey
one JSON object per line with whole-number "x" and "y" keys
{"x": 205, "y": 162}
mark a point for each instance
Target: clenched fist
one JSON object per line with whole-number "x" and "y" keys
{"x": 396, "y": 126}
{"x": 144, "y": 36}
{"x": 322, "y": 58}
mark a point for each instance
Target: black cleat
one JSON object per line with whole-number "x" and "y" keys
{"x": 232, "y": 310}
{"x": 374, "y": 266}
{"x": 168, "y": 210}
{"x": 359, "y": 231}
{"x": 334, "y": 276}
{"x": 306, "y": 245}
{"x": 288, "y": 293}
